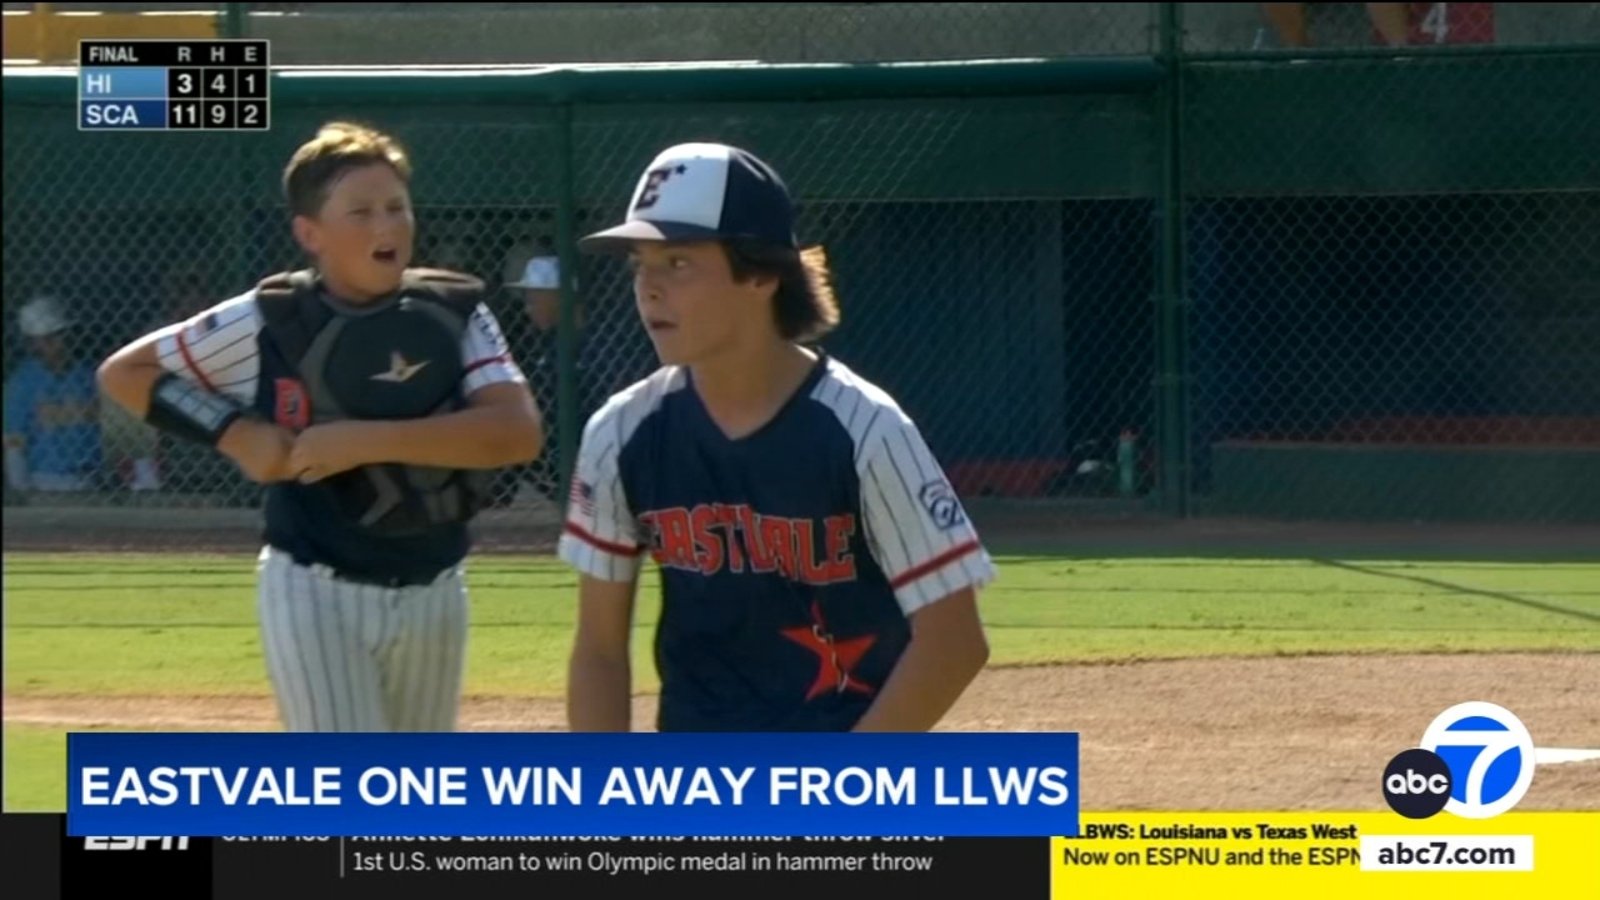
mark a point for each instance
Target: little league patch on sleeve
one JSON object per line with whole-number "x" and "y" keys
{"x": 940, "y": 501}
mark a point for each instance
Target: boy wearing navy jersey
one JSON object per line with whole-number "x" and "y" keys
{"x": 818, "y": 571}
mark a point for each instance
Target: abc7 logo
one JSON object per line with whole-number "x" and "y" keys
{"x": 1417, "y": 783}
{"x": 1476, "y": 761}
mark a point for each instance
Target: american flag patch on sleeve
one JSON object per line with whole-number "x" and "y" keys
{"x": 582, "y": 497}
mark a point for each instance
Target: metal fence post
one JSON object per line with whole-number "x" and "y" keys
{"x": 235, "y": 20}
{"x": 566, "y": 343}
{"x": 1172, "y": 421}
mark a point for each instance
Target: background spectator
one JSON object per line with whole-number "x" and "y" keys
{"x": 133, "y": 450}
{"x": 533, "y": 333}
{"x": 52, "y": 435}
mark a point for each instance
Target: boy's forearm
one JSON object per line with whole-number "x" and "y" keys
{"x": 128, "y": 378}
{"x": 478, "y": 438}
{"x": 925, "y": 684}
{"x": 598, "y": 694}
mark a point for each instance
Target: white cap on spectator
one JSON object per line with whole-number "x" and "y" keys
{"x": 540, "y": 273}
{"x": 42, "y": 316}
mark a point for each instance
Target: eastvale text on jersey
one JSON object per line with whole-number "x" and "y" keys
{"x": 706, "y": 539}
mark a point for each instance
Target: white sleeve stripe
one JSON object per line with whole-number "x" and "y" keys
{"x": 911, "y": 452}
{"x": 865, "y": 434}
{"x": 622, "y": 433}
{"x": 933, "y": 539}
{"x": 480, "y": 345}
{"x": 497, "y": 373}
{"x": 973, "y": 573}
{"x": 909, "y": 507}
{"x": 618, "y": 501}
{"x": 900, "y": 536}
{"x": 610, "y": 547}
{"x": 971, "y": 568}
{"x": 936, "y": 565}
{"x": 216, "y": 347}
{"x": 201, "y": 350}
{"x": 213, "y": 351}
{"x": 189, "y": 363}
{"x": 483, "y": 343}
{"x": 601, "y": 536}
{"x": 915, "y": 458}
{"x": 487, "y": 361}
{"x": 944, "y": 574}
{"x": 838, "y": 391}
{"x": 247, "y": 364}
{"x": 855, "y": 409}
{"x": 610, "y": 459}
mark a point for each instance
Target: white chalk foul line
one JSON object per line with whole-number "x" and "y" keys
{"x": 1549, "y": 756}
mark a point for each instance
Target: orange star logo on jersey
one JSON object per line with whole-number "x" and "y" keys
{"x": 835, "y": 659}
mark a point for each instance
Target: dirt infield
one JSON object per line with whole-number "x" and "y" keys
{"x": 1280, "y": 733}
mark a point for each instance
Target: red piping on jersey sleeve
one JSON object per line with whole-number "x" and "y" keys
{"x": 502, "y": 358}
{"x": 933, "y": 565}
{"x": 188, "y": 360}
{"x": 597, "y": 543}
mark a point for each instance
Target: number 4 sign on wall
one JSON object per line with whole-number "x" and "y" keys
{"x": 1450, "y": 23}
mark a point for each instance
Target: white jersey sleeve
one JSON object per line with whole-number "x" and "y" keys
{"x": 600, "y": 537}
{"x": 217, "y": 349}
{"x": 915, "y": 524}
{"x": 486, "y": 354}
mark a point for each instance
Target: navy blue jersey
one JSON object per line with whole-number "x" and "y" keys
{"x": 222, "y": 350}
{"x": 790, "y": 559}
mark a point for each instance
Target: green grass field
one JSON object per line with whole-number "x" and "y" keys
{"x": 176, "y": 625}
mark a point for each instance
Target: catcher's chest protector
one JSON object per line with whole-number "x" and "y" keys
{"x": 399, "y": 359}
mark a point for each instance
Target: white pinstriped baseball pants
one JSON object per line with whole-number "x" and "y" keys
{"x": 355, "y": 657}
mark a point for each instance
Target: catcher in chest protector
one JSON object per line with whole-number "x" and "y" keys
{"x": 374, "y": 401}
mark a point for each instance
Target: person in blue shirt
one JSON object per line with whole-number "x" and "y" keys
{"x": 612, "y": 352}
{"x": 52, "y": 432}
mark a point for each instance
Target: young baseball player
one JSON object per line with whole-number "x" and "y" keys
{"x": 372, "y": 400}
{"x": 818, "y": 571}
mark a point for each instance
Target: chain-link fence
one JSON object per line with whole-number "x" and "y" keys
{"x": 323, "y": 34}
{"x": 551, "y": 33}
{"x": 1394, "y": 272}
{"x": 1389, "y": 303}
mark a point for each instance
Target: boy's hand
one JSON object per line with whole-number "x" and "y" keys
{"x": 261, "y": 449}
{"x": 322, "y": 451}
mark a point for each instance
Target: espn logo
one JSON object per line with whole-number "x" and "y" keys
{"x": 135, "y": 843}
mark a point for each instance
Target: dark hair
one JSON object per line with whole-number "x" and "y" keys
{"x": 337, "y": 148}
{"x": 804, "y": 306}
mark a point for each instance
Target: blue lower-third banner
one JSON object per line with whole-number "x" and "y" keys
{"x": 557, "y": 784}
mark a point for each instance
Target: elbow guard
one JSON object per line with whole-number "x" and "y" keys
{"x": 186, "y": 410}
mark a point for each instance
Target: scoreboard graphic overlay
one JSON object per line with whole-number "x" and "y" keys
{"x": 173, "y": 85}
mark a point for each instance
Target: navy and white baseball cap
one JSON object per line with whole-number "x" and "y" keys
{"x": 698, "y": 191}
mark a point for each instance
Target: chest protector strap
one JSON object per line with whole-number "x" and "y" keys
{"x": 398, "y": 359}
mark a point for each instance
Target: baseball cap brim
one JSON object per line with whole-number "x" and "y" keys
{"x": 621, "y": 236}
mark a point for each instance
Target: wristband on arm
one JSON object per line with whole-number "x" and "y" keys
{"x": 186, "y": 410}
